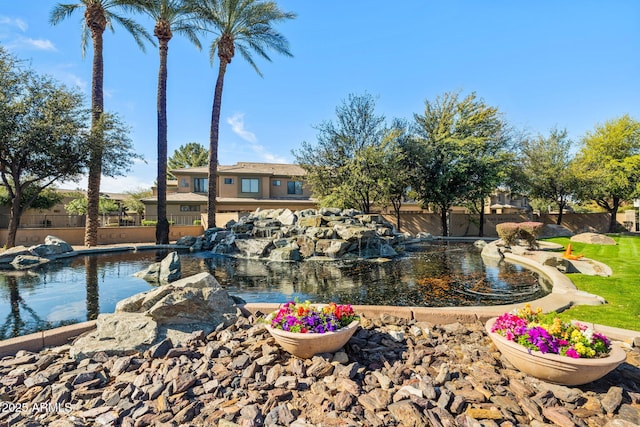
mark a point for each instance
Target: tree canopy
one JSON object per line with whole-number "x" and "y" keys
{"x": 546, "y": 166}
{"x": 456, "y": 152}
{"x": 608, "y": 165}
{"x": 343, "y": 167}
{"x": 43, "y": 135}
{"x": 189, "y": 155}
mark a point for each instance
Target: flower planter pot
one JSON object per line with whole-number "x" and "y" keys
{"x": 555, "y": 368}
{"x": 305, "y": 345}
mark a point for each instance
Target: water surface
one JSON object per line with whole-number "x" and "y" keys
{"x": 438, "y": 274}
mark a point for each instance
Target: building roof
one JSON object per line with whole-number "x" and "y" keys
{"x": 180, "y": 197}
{"x": 248, "y": 168}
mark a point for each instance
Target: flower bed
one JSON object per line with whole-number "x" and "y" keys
{"x": 304, "y": 330}
{"x": 549, "y": 334}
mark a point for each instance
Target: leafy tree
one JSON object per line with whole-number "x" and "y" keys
{"x": 98, "y": 16}
{"x": 190, "y": 155}
{"x": 608, "y": 165}
{"x": 344, "y": 166}
{"x": 133, "y": 204}
{"x": 44, "y": 199}
{"x": 451, "y": 153}
{"x": 394, "y": 172}
{"x": 170, "y": 16}
{"x": 246, "y": 25}
{"x": 79, "y": 206}
{"x": 41, "y": 136}
{"x": 546, "y": 164}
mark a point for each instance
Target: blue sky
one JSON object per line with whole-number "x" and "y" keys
{"x": 544, "y": 63}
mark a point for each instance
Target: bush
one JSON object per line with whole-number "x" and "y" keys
{"x": 529, "y": 231}
{"x": 149, "y": 222}
{"x": 197, "y": 222}
{"x": 508, "y": 232}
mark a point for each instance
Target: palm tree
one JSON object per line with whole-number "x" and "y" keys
{"x": 246, "y": 25}
{"x": 98, "y": 16}
{"x": 169, "y": 16}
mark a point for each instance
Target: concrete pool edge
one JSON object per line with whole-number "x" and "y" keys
{"x": 563, "y": 295}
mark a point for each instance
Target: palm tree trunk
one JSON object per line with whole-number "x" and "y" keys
{"x": 95, "y": 158}
{"x": 213, "y": 145}
{"x": 162, "y": 227}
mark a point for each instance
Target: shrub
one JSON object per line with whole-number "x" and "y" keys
{"x": 529, "y": 231}
{"x": 508, "y": 232}
{"x": 197, "y": 222}
{"x": 149, "y": 222}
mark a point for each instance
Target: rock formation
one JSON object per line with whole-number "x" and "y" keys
{"x": 172, "y": 311}
{"x": 284, "y": 235}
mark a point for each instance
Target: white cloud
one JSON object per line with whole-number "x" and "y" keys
{"x": 237, "y": 126}
{"x": 267, "y": 157}
{"x": 39, "y": 44}
{"x": 17, "y": 22}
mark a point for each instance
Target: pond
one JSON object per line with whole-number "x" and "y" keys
{"x": 435, "y": 274}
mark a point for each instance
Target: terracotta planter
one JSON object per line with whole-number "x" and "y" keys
{"x": 308, "y": 344}
{"x": 554, "y": 368}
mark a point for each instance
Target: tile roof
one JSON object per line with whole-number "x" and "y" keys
{"x": 276, "y": 169}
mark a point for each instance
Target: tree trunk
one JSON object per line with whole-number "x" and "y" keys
{"x": 95, "y": 158}
{"x": 560, "y": 212}
{"x": 91, "y": 279}
{"x": 614, "y": 212}
{"x": 213, "y": 145}
{"x": 14, "y": 218}
{"x": 443, "y": 221}
{"x": 481, "y": 224}
{"x": 162, "y": 226}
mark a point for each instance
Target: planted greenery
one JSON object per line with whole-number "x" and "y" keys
{"x": 620, "y": 290}
{"x": 511, "y": 232}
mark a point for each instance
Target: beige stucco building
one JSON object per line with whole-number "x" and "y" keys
{"x": 242, "y": 187}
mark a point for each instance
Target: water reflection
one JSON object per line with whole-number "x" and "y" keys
{"x": 441, "y": 274}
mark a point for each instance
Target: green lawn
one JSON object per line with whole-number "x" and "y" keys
{"x": 621, "y": 290}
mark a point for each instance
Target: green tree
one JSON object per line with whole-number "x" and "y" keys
{"x": 546, "y": 164}
{"x": 245, "y": 25}
{"x": 41, "y": 136}
{"x": 170, "y": 16}
{"x": 133, "y": 204}
{"x": 80, "y": 205}
{"x": 343, "y": 167}
{"x": 190, "y": 155}
{"x": 394, "y": 172}
{"x": 450, "y": 154}
{"x": 98, "y": 16}
{"x": 608, "y": 165}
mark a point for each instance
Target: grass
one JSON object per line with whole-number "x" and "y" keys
{"x": 621, "y": 290}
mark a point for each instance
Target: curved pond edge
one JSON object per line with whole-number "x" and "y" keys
{"x": 563, "y": 295}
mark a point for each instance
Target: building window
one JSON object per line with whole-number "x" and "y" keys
{"x": 228, "y": 180}
{"x": 200, "y": 185}
{"x": 189, "y": 208}
{"x": 276, "y": 183}
{"x": 249, "y": 185}
{"x": 294, "y": 187}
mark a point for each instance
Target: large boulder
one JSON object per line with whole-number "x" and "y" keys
{"x": 52, "y": 246}
{"x": 169, "y": 311}
{"x": 8, "y": 255}
{"x": 554, "y": 230}
{"x": 593, "y": 238}
{"x": 166, "y": 271}
{"x": 117, "y": 335}
{"x": 25, "y": 262}
{"x": 253, "y": 248}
